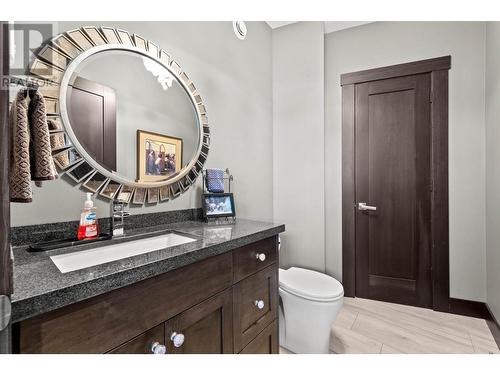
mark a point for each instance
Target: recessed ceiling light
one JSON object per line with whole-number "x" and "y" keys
{"x": 240, "y": 29}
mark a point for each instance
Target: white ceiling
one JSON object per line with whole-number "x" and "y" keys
{"x": 330, "y": 26}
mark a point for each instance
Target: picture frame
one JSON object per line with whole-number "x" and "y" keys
{"x": 216, "y": 205}
{"x": 159, "y": 156}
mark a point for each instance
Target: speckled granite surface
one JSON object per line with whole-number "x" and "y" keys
{"x": 20, "y": 236}
{"x": 40, "y": 287}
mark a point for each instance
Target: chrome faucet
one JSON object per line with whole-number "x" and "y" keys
{"x": 118, "y": 214}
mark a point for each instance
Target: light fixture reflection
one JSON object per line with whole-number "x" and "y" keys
{"x": 163, "y": 76}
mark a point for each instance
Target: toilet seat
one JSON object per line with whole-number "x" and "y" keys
{"x": 310, "y": 285}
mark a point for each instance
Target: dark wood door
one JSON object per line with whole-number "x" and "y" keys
{"x": 207, "y": 328}
{"x": 92, "y": 112}
{"x": 5, "y": 253}
{"x": 393, "y": 159}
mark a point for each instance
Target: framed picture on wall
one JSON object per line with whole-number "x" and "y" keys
{"x": 218, "y": 205}
{"x": 159, "y": 156}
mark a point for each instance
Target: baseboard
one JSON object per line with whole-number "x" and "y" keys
{"x": 493, "y": 326}
{"x": 469, "y": 308}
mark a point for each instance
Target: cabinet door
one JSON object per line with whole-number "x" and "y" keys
{"x": 206, "y": 328}
{"x": 266, "y": 342}
{"x": 143, "y": 344}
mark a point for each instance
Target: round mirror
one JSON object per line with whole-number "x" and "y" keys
{"x": 132, "y": 116}
{"x": 125, "y": 120}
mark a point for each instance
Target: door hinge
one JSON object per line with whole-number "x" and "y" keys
{"x": 431, "y": 96}
{"x": 432, "y": 185}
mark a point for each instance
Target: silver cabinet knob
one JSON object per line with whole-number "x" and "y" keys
{"x": 177, "y": 339}
{"x": 259, "y": 304}
{"x": 158, "y": 348}
{"x": 260, "y": 256}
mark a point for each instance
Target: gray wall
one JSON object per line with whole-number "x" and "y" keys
{"x": 493, "y": 167}
{"x": 234, "y": 79}
{"x": 385, "y": 43}
{"x": 298, "y": 122}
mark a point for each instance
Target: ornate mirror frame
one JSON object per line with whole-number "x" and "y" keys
{"x": 55, "y": 63}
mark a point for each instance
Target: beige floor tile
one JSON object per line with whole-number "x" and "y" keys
{"x": 346, "y": 317}
{"x": 346, "y": 341}
{"x": 484, "y": 345}
{"x": 368, "y": 326}
{"x": 457, "y": 321}
{"x": 407, "y": 339}
{"x": 387, "y": 349}
{"x": 417, "y": 320}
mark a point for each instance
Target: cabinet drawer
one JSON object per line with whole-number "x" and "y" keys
{"x": 253, "y": 257}
{"x": 142, "y": 344}
{"x": 266, "y": 342}
{"x": 255, "y": 305}
{"x": 205, "y": 328}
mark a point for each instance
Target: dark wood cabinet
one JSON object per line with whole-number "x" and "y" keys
{"x": 224, "y": 304}
{"x": 254, "y": 257}
{"x": 102, "y": 323}
{"x": 206, "y": 328}
{"x": 255, "y": 305}
{"x": 143, "y": 344}
{"x": 266, "y": 342}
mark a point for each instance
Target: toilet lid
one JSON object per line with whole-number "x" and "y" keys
{"x": 310, "y": 284}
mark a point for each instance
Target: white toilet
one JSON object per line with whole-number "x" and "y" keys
{"x": 309, "y": 303}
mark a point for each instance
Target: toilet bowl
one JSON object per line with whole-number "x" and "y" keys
{"x": 309, "y": 304}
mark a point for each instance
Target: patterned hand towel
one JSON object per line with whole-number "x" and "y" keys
{"x": 215, "y": 180}
{"x": 41, "y": 162}
{"x": 20, "y": 177}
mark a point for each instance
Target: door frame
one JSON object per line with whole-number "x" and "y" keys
{"x": 438, "y": 69}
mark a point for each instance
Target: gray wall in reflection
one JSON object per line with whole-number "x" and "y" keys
{"x": 235, "y": 81}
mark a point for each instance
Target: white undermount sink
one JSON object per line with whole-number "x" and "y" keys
{"x": 87, "y": 258}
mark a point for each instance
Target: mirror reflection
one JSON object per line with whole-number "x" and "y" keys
{"x": 131, "y": 115}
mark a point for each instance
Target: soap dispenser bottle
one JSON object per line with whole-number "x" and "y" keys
{"x": 88, "y": 220}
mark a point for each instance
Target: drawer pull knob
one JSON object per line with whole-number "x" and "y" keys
{"x": 261, "y": 256}
{"x": 158, "y": 348}
{"x": 259, "y": 304}
{"x": 177, "y": 339}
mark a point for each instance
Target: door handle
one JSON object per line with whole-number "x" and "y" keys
{"x": 363, "y": 207}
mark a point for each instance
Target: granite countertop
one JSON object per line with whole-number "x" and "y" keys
{"x": 40, "y": 287}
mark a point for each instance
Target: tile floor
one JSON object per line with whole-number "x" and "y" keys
{"x": 368, "y": 327}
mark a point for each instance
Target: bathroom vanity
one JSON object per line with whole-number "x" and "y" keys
{"x": 218, "y": 294}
